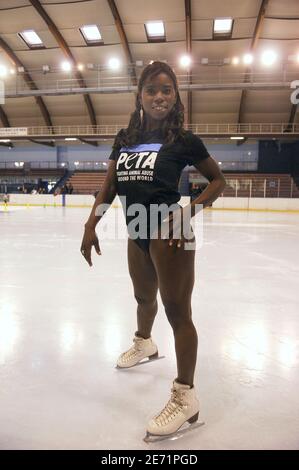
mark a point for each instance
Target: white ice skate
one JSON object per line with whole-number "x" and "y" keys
{"x": 141, "y": 349}
{"x": 171, "y": 423}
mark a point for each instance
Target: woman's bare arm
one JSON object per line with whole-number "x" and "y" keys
{"x": 105, "y": 196}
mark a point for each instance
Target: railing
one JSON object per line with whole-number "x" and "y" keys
{"x": 33, "y": 166}
{"x": 92, "y": 166}
{"x": 109, "y": 131}
{"x": 239, "y": 166}
{"x": 271, "y": 187}
{"x": 103, "y": 81}
{"x": 245, "y": 129}
{"x": 242, "y": 165}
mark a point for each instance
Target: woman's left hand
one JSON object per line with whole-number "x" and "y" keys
{"x": 176, "y": 229}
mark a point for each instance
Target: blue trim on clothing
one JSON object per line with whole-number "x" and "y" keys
{"x": 142, "y": 148}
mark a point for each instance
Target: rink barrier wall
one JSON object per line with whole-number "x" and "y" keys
{"x": 222, "y": 203}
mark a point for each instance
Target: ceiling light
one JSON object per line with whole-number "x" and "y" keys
{"x": 114, "y": 64}
{"x": 248, "y": 59}
{"x": 235, "y": 60}
{"x": 31, "y": 38}
{"x": 155, "y": 29}
{"x": 185, "y": 61}
{"x": 80, "y": 67}
{"x": 91, "y": 33}
{"x": 269, "y": 57}
{"x": 70, "y": 138}
{"x": 3, "y": 70}
{"x": 66, "y": 66}
{"x": 237, "y": 138}
{"x": 223, "y": 25}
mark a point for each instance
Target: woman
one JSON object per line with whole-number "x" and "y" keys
{"x": 146, "y": 163}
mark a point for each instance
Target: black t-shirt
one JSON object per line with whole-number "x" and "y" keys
{"x": 149, "y": 172}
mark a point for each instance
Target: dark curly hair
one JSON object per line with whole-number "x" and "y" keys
{"x": 172, "y": 126}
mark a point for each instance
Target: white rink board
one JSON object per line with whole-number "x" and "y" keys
{"x": 78, "y": 200}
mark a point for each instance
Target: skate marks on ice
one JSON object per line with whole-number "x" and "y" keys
{"x": 141, "y": 363}
{"x": 182, "y": 431}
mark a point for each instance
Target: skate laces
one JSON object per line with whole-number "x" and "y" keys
{"x": 134, "y": 350}
{"x": 171, "y": 410}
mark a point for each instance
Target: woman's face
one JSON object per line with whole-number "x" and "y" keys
{"x": 158, "y": 96}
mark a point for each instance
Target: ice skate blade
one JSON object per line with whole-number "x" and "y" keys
{"x": 152, "y": 438}
{"x": 144, "y": 361}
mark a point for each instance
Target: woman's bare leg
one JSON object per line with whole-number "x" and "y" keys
{"x": 145, "y": 283}
{"x": 175, "y": 271}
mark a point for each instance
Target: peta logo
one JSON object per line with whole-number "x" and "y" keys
{"x": 295, "y": 94}
{"x": 137, "y": 160}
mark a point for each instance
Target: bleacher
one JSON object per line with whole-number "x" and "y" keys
{"x": 238, "y": 184}
{"x": 87, "y": 182}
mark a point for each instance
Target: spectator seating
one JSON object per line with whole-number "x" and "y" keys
{"x": 87, "y": 182}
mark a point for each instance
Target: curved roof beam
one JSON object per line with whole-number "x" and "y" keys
{"x": 5, "y": 122}
{"x": 123, "y": 39}
{"x": 189, "y": 50}
{"x": 255, "y": 38}
{"x": 28, "y": 79}
{"x": 4, "y": 118}
{"x": 67, "y": 52}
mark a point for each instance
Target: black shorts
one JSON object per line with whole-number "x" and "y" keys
{"x": 144, "y": 243}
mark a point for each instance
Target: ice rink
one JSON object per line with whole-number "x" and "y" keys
{"x": 63, "y": 325}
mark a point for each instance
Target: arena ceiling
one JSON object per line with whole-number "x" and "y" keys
{"x": 214, "y": 89}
